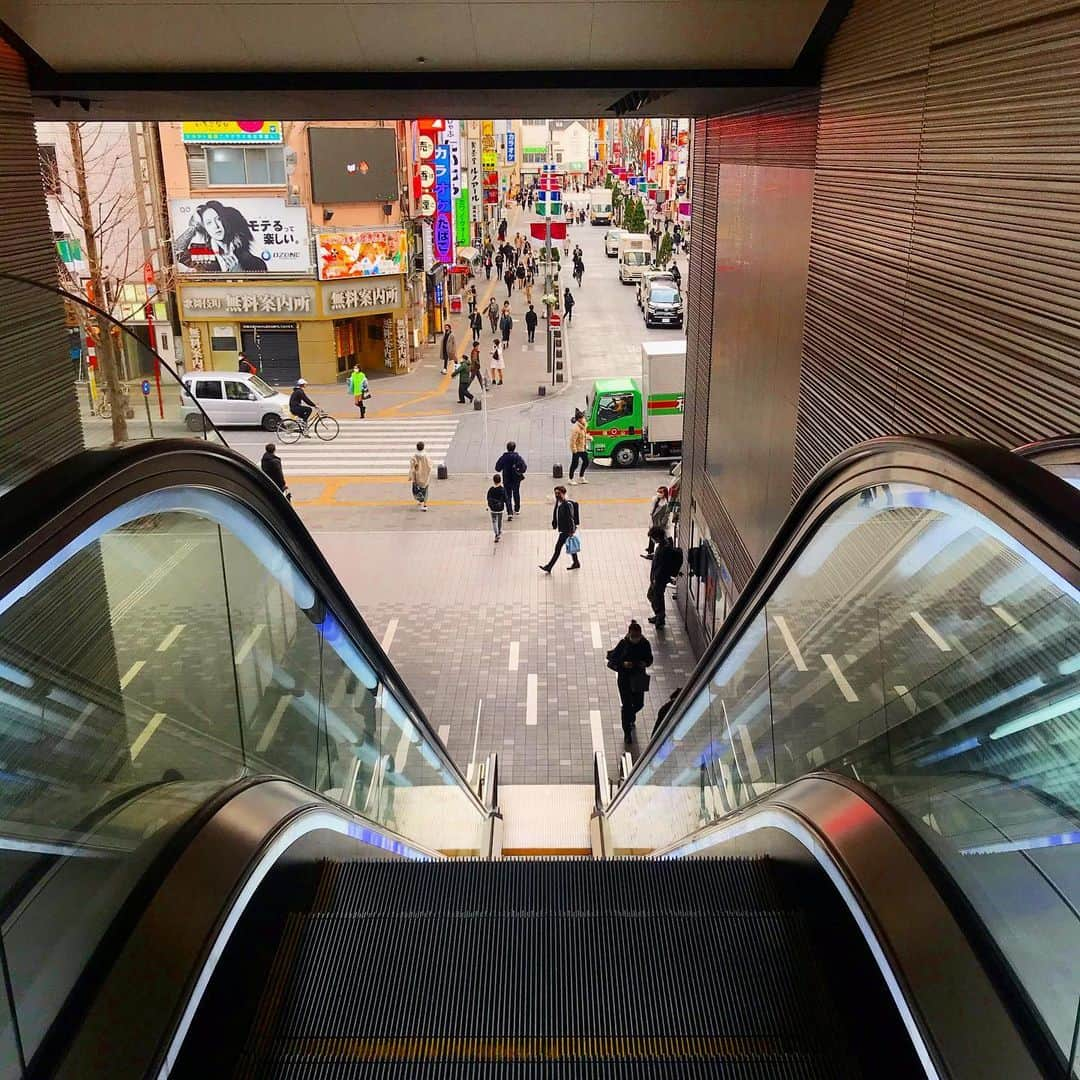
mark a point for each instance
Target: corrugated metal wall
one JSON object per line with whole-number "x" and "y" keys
{"x": 944, "y": 290}
{"x": 944, "y": 265}
{"x": 39, "y": 420}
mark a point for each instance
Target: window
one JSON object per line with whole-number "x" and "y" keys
{"x": 50, "y": 171}
{"x": 238, "y": 391}
{"x": 614, "y": 407}
{"x": 236, "y": 166}
{"x": 208, "y": 388}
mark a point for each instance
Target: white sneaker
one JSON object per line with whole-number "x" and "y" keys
{"x": 423, "y": 506}
{"x": 573, "y": 483}
{"x": 583, "y": 481}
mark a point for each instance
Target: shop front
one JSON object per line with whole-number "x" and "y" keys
{"x": 290, "y": 329}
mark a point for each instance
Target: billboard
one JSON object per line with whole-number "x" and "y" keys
{"x": 444, "y": 213}
{"x": 353, "y": 165}
{"x": 351, "y": 253}
{"x": 239, "y": 237}
{"x": 250, "y": 132}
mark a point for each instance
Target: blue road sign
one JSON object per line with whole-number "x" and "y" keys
{"x": 146, "y": 387}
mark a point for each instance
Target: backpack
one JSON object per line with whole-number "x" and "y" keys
{"x": 577, "y": 511}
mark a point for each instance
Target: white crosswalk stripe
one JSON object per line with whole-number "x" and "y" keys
{"x": 370, "y": 447}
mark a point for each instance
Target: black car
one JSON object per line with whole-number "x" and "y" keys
{"x": 664, "y": 306}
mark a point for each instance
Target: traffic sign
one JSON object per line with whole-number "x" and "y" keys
{"x": 146, "y": 387}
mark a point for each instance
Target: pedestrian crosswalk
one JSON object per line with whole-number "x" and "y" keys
{"x": 371, "y": 447}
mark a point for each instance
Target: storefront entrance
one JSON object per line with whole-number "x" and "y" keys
{"x": 274, "y": 350}
{"x": 362, "y": 339}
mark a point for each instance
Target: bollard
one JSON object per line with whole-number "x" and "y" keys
{"x": 541, "y": 391}
{"x": 556, "y": 472}
{"x": 441, "y": 473}
{"x": 477, "y": 404}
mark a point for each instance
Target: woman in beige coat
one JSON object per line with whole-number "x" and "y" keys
{"x": 579, "y": 435}
{"x": 420, "y": 475}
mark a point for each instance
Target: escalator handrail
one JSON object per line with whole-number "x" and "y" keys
{"x": 57, "y": 504}
{"x": 1034, "y": 506}
{"x": 1057, "y": 450}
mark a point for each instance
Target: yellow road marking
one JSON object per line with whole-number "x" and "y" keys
{"x": 325, "y": 499}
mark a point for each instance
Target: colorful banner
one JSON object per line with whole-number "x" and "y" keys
{"x": 230, "y": 131}
{"x": 239, "y": 237}
{"x": 443, "y": 236}
{"x": 476, "y": 190}
{"x": 462, "y": 223}
{"x": 489, "y": 155}
{"x": 350, "y": 253}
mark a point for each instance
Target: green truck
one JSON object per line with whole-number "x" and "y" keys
{"x": 640, "y": 419}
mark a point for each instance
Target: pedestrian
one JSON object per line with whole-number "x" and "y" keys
{"x": 496, "y": 501}
{"x": 503, "y": 226}
{"x": 676, "y": 236}
{"x": 568, "y": 304}
{"x": 476, "y": 372}
{"x": 659, "y": 516}
{"x": 519, "y": 275}
{"x": 508, "y": 277}
{"x": 358, "y": 387}
{"x": 498, "y": 363}
{"x": 531, "y": 319}
{"x": 464, "y": 377}
{"x": 579, "y": 269}
{"x": 420, "y": 475}
{"x": 513, "y": 467}
{"x": 676, "y": 276}
{"x": 493, "y": 314}
{"x": 667, "y": 562}
{"x": 487, "y": 263}
{"x": 476, "y": 325}
{"x": 472, "y": 299}
{"x": 500, "y": 258}
{"x": 579, "y": 440}
{"x": 506, "y": 323}
{"x": 631, "y": 658}
{"x": 564, "y": 519}
{"x": 448, "y": 347}
{"x": 246, "y": 366}
{"x": 271, "y": 465}
{"x": 519, "y": 242}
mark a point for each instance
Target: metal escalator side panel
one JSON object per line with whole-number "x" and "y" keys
{"x": 928, "y": 961}
{"x": 137, "y": 1021}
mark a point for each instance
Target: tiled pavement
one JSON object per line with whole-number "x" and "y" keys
{"x": 452, "y": 605}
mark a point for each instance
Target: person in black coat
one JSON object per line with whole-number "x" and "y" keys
{"x": 531, "y": 320}
{"x": 271, "y": 465}
{"x": 562, "y": 518}
{"x": 631, "y": 659}
{"x": 476, "y": 325}
{"x": 512, "y": 467}
{"x": 667, "y": 562}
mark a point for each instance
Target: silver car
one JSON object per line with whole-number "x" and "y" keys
{"x": 650, "y": 278}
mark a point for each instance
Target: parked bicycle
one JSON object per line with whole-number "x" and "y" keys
{"x": 324, "y": 426}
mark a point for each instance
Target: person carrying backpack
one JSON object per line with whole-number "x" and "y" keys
{"x": 564, "y": 518}
{"x": 667, "y": 562}
{"x": 631, "y": 659}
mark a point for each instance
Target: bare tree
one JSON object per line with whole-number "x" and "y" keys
{"x": 97, "y": 201}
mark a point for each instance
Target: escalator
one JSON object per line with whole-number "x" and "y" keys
{"x": 234, "y": 845}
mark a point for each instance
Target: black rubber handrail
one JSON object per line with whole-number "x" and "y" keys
{"x": 58, "y": 504}
{"x": 1039, "y": 509}
{"x": 1057, "y": 450}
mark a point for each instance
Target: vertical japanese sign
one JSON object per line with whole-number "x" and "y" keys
{"x": 444, "y": 212}
{"x": 459, "y": 185}
{"x": 489, "y": 160}
{"x": 427, "y": 131}
{"x": 474, "y": 172}
{"x": 511, "y": 148}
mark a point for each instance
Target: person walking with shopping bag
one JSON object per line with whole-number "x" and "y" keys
{"x": 564, "y": 519}
{"x": 420, "y": 475}
{"x": 358, "y": 387}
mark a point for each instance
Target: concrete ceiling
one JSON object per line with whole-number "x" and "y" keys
{"x": 148, "y": 56}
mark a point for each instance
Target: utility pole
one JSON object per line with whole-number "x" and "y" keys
{"x": 106, "y": 346}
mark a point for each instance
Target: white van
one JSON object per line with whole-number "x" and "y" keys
{"x": 231, "y": 399}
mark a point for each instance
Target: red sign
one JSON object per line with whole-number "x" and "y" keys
{"x": 424, "y": 170}
{"x": 537, "y": 230}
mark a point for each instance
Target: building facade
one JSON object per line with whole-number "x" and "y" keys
{"x": 291, "y": 245}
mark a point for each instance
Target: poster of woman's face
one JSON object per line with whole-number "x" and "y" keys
{"x": 252, "y": 236}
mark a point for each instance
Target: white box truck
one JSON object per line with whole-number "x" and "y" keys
{"x": 635, "y": 254}
{"x": 640, "y": 419}
{"x": 599, "y": 206}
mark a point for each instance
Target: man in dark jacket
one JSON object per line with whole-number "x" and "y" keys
{"x": 512, "y": 466}
{"x": 530, "y": 322}
{"x": 301, "y": 406}
{"x": 506, "y": 324}
{"x": 667, "y": 562}
{"x": 476, "y": 325}
{"x": 271, "y": 465}
{"x": 562, "y": 518}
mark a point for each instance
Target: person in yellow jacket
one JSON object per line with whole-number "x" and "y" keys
{"x": 358, "y": 387}
{"x": 579, "y": 441}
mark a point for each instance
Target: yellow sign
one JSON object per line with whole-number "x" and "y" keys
{"x": 231, "y": 131}
{"x": 489, "y": 154}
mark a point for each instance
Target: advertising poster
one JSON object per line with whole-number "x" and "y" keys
{"x": 473, "y": 171}
{"x": 239, "y": 237}
{"x": 511, "y": 148}
{"x": 350, "y": 253}
{"x": 250, "y": 132}
{"x": 444, "y": 214}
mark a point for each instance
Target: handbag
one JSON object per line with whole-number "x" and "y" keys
{"x": 573, "y": 545}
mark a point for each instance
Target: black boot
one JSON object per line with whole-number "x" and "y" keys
{"x": 575, "y": 565}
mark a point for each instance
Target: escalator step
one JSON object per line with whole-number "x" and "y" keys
{"x": 688, "y": 885}
{"x": 520, "y": 969}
